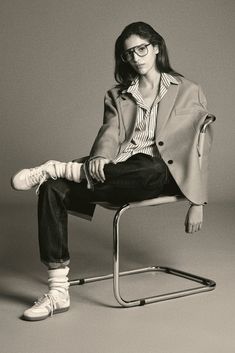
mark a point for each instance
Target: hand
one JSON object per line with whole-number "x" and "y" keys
{"x": 96, "y": 168}
{"x": 194, "y": 218}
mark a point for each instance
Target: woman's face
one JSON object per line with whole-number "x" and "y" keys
{"x": 145, "y": 64}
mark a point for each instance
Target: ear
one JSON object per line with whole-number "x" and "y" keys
{"x": 156, "y": 50}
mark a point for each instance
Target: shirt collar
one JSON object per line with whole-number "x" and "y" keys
{"x": 167, "y": 78}
{"x": 133, "y": 89}
{"x": 165, "y": 82}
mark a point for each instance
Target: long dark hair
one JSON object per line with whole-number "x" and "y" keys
{"x": 124, "y": 74}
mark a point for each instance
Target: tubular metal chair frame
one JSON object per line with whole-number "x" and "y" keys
{"x": 205, "y": 284}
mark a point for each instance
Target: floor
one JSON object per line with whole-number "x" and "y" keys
{"x": 95, "y": 323}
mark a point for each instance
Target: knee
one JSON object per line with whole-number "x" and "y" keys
{"x": 52, "y": 186}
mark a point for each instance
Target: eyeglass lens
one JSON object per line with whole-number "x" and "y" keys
{"x": 140, "y": 50}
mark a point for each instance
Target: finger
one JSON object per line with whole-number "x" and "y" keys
{"x": 186, "y": 228}
{"x": 190, "y": 228}
{"x": 101, "y": 171}
{"x": 196, "y": 227}
{"x": 96, "y": 170}
{"x": 92, "y": 169}
{"x": 186, "y": 221}
{"x": 199, "y": 226}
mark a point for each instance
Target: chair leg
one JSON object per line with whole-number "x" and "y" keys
{"x": 205, "y": 283}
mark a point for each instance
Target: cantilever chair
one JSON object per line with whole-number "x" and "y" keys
{"x": 205, "y": 284}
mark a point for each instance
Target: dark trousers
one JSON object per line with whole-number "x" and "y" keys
{"x": 140, "y": 177}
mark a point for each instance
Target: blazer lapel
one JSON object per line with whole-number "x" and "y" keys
{"x": 165, "y": 107}
{"x": 128, "y": 109}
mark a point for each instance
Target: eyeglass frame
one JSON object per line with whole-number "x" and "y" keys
{"x": 132, "y": 51}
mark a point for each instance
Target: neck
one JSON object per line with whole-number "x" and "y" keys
{"x": 151, "y": 79}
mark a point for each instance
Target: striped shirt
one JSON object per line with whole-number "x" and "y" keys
{"x": 143, "y": 140}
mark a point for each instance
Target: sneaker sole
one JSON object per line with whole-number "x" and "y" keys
{"x": 39, "y": 318}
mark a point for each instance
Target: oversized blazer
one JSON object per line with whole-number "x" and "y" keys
{"x": 181, "y": 113}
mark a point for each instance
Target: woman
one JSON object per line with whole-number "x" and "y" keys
{"x": 147, "y": 145}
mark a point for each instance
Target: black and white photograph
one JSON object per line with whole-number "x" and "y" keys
{"x": 117, "y": 176}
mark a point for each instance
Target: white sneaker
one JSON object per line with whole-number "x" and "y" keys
{"x": 25, "y": 179}
{"x": 48, "y": 305}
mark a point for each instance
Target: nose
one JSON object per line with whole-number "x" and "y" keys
{"x": 135, "y": 57}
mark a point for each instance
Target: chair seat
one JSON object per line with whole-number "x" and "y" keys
{"x": 162, "y": 199}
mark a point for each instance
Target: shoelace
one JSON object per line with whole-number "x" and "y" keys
{"x": 38, "y": 176}
{"x": 43, "y": 299}
{"x": 41, "y": 181}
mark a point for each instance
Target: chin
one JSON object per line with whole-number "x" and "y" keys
{"x": 142, "y": 71}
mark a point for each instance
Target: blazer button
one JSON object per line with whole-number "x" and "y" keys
{"x": 161, "y": 143}
{"x": 170, "y": 161}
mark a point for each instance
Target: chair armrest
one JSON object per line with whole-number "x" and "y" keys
{"x": 209, "y": 119}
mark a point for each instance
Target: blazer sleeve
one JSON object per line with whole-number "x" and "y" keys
{"x": 106, "y": 143}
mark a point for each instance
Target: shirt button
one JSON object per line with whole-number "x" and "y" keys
{"x": 170, "y": 161}
{"x": 161, "y": 143}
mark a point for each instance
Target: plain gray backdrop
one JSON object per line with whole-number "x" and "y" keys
{"x": 57, "y": 62}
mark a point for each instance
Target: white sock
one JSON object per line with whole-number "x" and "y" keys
{"x": 58, "y": 281}
{"x": 70, "y": 171}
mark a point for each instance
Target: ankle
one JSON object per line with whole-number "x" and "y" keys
{"x": 59, "y": 292}
{"x": 58, "y": 280}
{"x": 57, "y": 170}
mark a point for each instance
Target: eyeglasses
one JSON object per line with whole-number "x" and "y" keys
{"x": 141, "y": 50}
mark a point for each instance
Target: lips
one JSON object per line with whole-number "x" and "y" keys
{"x": 139, "y": 66}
